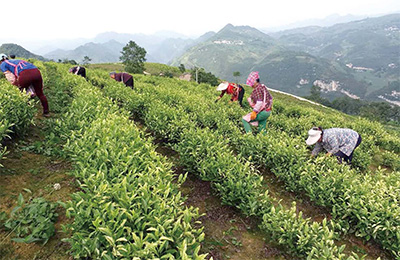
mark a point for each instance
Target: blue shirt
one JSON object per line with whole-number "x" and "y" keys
{"x": 337, "y": 139}
{"x": 16, "y": 66}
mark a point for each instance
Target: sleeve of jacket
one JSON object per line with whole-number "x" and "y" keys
{"x": 318, "y": 147}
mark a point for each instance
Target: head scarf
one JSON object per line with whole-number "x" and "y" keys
{"x": 251, "y": 79}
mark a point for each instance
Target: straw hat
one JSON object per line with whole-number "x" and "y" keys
{"x": 224, "y": 85}
{"x": 313, "y": 136}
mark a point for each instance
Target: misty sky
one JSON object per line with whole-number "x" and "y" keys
{"x": 51, "y": 19}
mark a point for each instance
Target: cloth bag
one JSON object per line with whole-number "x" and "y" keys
{"x": 248, "y": 116}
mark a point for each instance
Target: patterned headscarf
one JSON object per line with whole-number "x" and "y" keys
{"x": 251, "y": 79}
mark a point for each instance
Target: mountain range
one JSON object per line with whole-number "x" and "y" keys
{"x": 359, "y": 59}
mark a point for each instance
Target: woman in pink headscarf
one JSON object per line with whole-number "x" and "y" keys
{"x": 261, "y": 102}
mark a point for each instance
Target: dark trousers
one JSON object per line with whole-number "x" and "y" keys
{"x": 240, "y": 96}
{"x": 82, "y": 72}
{"x": 34, "y": 78}
{"x": 341, "y": 156}
{"x": 129, "y": 83}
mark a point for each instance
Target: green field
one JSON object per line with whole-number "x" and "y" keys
{"x": 164, "y": 172}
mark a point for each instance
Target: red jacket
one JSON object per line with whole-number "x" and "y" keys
{"x": 233, "y": 90}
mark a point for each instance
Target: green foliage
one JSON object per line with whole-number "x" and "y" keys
{"x": 16, "y": 113}
{"x": 209, "y": 155}
{"x": 204, "y": 77}
{"x": 15, "y": 108}
{"x": 352, "y": 195}
{"x": 315, "y": 95}
{"x": 32, "y": 221}
{"x": 182, "y": 68}
{"x": 377, "y": 111}
{"x": 133, "y": 57}
{"x": 236, "y": 74}
{"x": 67, "y": 61}
{"x": 106, "y": 66}
{"x": 129, "y": 206}
{"x": 391, "y": 160}
{"x": 86, "y": 60}
{"x": 59, "y": 95}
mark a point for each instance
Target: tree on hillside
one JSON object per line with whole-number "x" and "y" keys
{"x": 67, "y": 61}
{"x": 133, "y": 57}
{"x": 236, "y": 74}
{"x": 182, "y": 68}
{"x": 315, "y": 95}
{"x": 205, "y": 77}
{"x": 86, "y": 60}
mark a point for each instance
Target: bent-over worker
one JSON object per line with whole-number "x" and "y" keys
{"x": 126, "y": 78}
{"x": 236, "y": 90}
{"x": 340, "y": 142}
{"x": 25, "y": 75}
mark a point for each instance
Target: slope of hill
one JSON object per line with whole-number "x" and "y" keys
{"x": 244, "y": 49}
{"x": 371, "y": 43}
{"x": 370, "y": 48}
{"x": 356, "y": 59}
{"x": 231, "y": 49}
{"x": 18, "y": 51}
{"x": 324, "y": 22}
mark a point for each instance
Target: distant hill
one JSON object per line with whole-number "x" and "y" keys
{"x": 356, "y": 59}
{"x": 359, "y": 59}
{"x": 369, "y": 48}
{"x": 18, "y": 51}
{"x": 244, "y": 49}
{"x": 98, "y": 52}
{"x": 106, "y": 47}
{"x": 231, "y": 49}
{"x": 324, "y": 22}
{"x": 371, "y": 43}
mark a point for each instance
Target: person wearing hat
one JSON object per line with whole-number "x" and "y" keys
{"x": 236, "y": 90}
{"x": 78, "y": 70}
{"x": 261, "y": 102}
{"x": 25, "y": 75}
{"x": 126, "y": 78}
{"x": 340, "y": 142}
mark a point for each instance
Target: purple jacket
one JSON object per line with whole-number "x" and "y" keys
{"x": 124, "y": 77}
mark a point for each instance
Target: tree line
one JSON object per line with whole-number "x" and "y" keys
{"x": 383, "y": 112}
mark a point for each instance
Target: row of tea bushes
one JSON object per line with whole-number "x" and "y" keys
{"x": 360, "y": 203}
{"x": 16, "y": 112}
{"x": 129, "y": 205}
{"x": 237, "y": 182}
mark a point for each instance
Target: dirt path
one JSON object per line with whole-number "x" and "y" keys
{"x": 228, "y": 234}
{"x": 24, "y": 170}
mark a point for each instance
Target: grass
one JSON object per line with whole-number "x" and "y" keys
{"x": 33, "y": 175}
{"x": 152, "y": 68}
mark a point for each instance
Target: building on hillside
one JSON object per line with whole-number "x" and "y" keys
{"x": 327, "y": 87}
{"x": 185, "y": 76}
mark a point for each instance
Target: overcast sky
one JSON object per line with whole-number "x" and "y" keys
{"x": 51, "y": 19}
